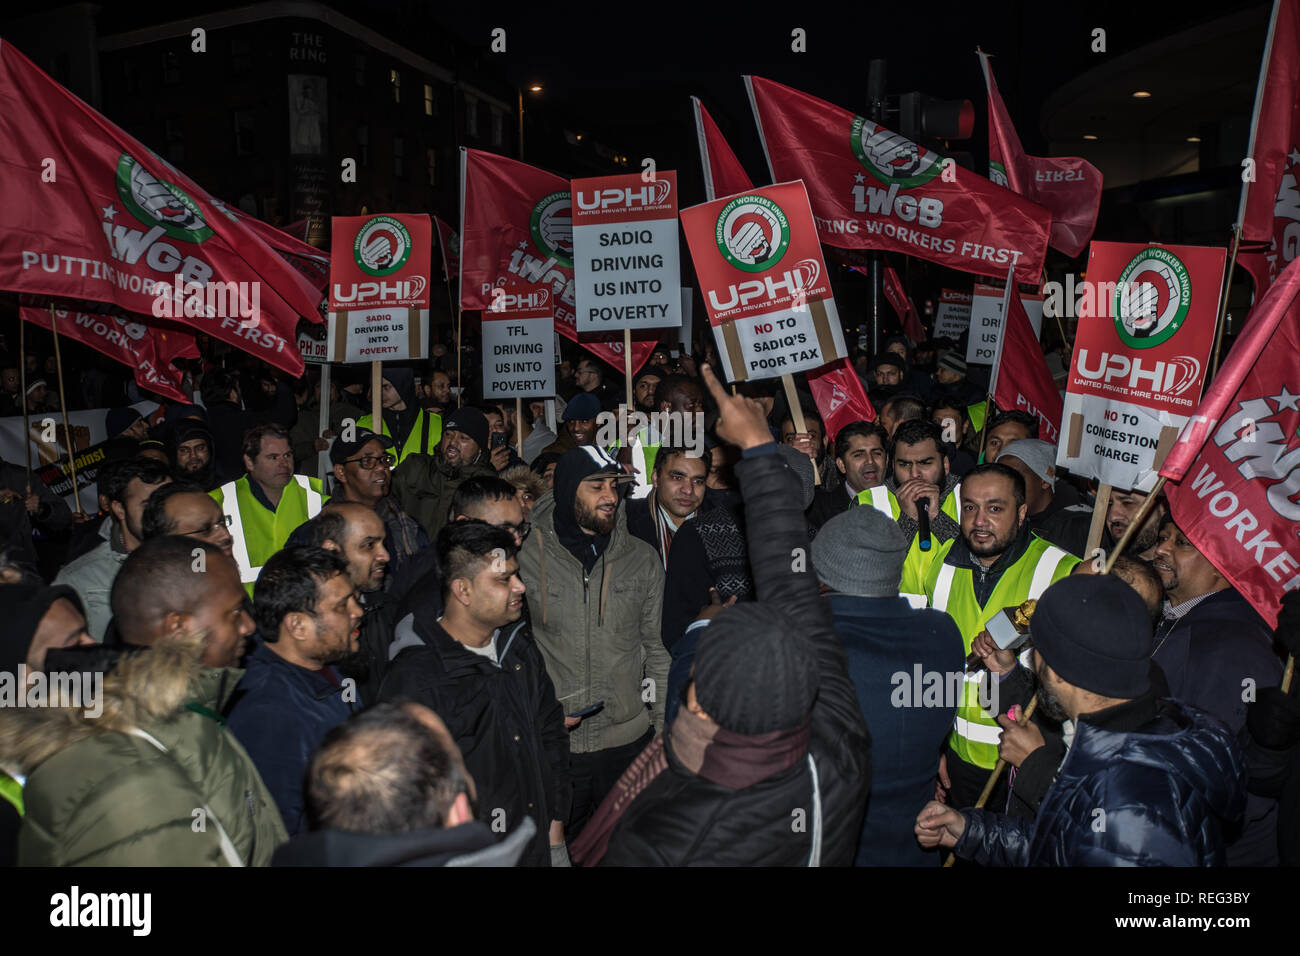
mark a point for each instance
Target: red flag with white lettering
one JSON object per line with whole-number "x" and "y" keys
{"x": 723, "y": 174}
{"x": 1021, "y": 378}
{"x": 449, "y": 243}
{"x": 872, "y": 188}
{"x": 1067, "y": 186}
{"x": 838, "y": 392}
{"x": 516, "y": 229}
{"x": 1234, "y": 474}
{"x": 87, "y": 212}
{"x": 902, "y": 304}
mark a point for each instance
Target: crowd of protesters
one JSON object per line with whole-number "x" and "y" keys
{"x": 453, "y": 637}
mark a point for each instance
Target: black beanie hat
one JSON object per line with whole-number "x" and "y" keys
{"x": 472, "y": 422}
{"x": 751, "y": 675}
{"x": 24, "y": 606}
{"x": 1094, "y": 631}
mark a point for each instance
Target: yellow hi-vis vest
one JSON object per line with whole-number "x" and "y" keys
{"x": 12, "y": 790}
{"x": 259, "y": 533}
{"x": 975, "y": 732}
{"x": 917, "y": 561}
{"x": 426, "y": 432}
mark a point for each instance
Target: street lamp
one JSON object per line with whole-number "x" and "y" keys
{"x": 532, "y": 88}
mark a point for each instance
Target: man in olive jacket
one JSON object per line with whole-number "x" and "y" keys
{"x": 424, "y": 484}
{"x": 595, "y": 599}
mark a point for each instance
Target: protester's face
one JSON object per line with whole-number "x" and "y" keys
{"x": 268, "y": 387}
{"x": 946, "y": 376}
{"x": 62, "y": 626}
{"x": 659, "y": 357}
{"x": 951, "y": 422}
{"x": 36, "y": 395}
{"x": 721, "y": 477}
{"x": 863, "y": 465}
{"x": 565, "y": 370}
{"x": 1124, "y": 506}
{"x": 154, "y": 452}
{"x": 990, "y": 517}
{"x": 273, "y": 466}
{"x": 388, "y": 397}
{"x": 199, "y": 517}
{"x": 335, "y": 620}
{"x": 10, "y": 380}
{"x": 788, "y": 431}
{"x": 222, "y": 614}
{"x": 497, "y": 593}
{"x": 192, "y": 456}
{"x": 923, "y": 460}
{"x": 1049, "y": 686}
{"x": 496, "y": 424}
{"x": 364, "y": 550}
{"x": 586, "y": 377}
{"x": 687, "y": 399}
{"x": 364, "y": 486}
{"x": 1183, "y": 570}
{"x": 440, "y": 388}
{"x": 596, "y": 505}
{"x": 898, "y": 348}
{"x": 1001, "y": 436}
{"x": 131, "y": 512}
{"x": 458, "y": 448}
{"x": 526, "y": 502}
{"x": 643, "y": 393}
{"x": 504, "y": 513}
{"x": 138, "y": 430}
{"x": 548, "y": 476}
{"x": 888, "y": 375}
{"x": 679, "y": 485}
{"x": 582, "y": 430}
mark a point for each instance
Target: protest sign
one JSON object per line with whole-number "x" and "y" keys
{"x": 519, "y": 343}
{"x": 953, "y": 315}
{"x": 379, "y": 288}
{"x": 986, "y": 321}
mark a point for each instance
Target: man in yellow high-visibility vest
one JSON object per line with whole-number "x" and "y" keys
{"x": 267, "y": 502}
{"x": 412, "y": 428}
{"x": 862, "y": 457}
{"x": 995, "y": 563}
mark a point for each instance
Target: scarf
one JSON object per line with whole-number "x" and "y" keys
{"x": 701, "y": 747}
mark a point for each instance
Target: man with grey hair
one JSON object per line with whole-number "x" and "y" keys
{"x": 1055, "y": 513}
{"x": 906, "y": 665}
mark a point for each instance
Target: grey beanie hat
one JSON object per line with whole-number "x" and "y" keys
{"x": 802, "y": 466}
{"x": 860, "y": 552}
{"x": 1039, "y": 455}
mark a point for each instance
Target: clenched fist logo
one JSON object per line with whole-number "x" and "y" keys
{"x": 893, "y": 153}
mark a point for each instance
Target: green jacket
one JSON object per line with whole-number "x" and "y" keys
{"x": 424, "y": 484}
{"x": 155, "y": 780}
{"x": 600, "y": 632}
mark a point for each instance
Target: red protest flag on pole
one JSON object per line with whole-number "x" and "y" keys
{"x": 1021, "y": 378}
{"x": 449, "y": 243}
{"x": 1066, "y": 186}
{"x": 871, "y": 188}
{"x": 310, "y": 263}
{"x": 1241, "y": 452}
{"x": 146, "y": 346}
{"x": 837, "y": 390}
{"x": 902, "y": 304}
{"x": 516, "y": 229}
{"x": 723, "y": 174}
{"x": 87, "y": 212}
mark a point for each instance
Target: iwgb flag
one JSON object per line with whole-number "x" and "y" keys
{"x": 898, "y": 298}
{"x": 1021, "y": 378}
{"x": 147, "y": 347}
{"x": 723, "y": 174}
{"x": 1234, "y": 474}
{"x": 516, "y": 230}
{"x": 837, "y": 390}
{"x": 310, "y": 263}
{"x": 1066, "y": 186}
{"x": 874, "y": 189}
{"x": 449, "y": 243}
{"x": 88, "y": 212}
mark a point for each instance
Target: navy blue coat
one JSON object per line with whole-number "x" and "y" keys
{"x": 889, "y": 646}
{"x": 1160, "y": 796}
{"x": 282, "y": 713}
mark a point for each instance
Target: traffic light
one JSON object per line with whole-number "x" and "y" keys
{"x": 926, "y": 120}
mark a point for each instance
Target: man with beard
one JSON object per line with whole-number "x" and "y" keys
{"x": 1167, "y": 778}
{"x": 362, "y": 474}
{"x": 190, "y": 446}
{"x": 678, "y": 491}
{"x": 1124, "y": 506}
{"x": 477, "y": 664}
{"x": 643, "y": 387}
{"x": 921, "y": 472}
{"x": 412, "y": 429}
{"x": 595, "y": 596}
{"x": 861, "y": 457}
{"x": 679, "y": 402}
{"x": 307, "y": 613}
{"x": 424, "y": 484}
{"x": 992, "y": 564}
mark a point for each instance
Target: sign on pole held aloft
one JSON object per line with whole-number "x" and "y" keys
{"x": 625, "y": 266}
{"x": 519, "y": 343}
{"x": 764, "y": 282}
{"x": 1146, "y": 325}
{"x": 953, "y": 315}
{"x": 986, "y": 320}
{"x": 379, "y": 288}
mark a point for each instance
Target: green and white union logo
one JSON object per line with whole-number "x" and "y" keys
{"x": 1152, "y": 297}
{"x": 551, "y": 226}
{"x": 382, "y": 246}
{"x": 891, "y": 157}
{"x": 158, "y": 203}
{"x": 752, "y": 233}
{"x": 998, "y": 174}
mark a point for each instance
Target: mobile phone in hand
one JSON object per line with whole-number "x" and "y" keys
{"x": 497, "y": 440}
{"x": 595, "y": 708}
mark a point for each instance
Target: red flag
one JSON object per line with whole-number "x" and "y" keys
{"x": 148, "y": 348}
{"x": 516, "y": 229}
{"x": 898, "y": 298}
{"x": 311, "y": 263}
{"x": 449, "y": 243}
{"x": 1241, "y": 452}
{"x": 837, "y": 390}
{"x": 87, "y": 212}
{"x": 1067, "y": 186}
{"x": 1270, "y": 206}
{"x": 723, "y": 174}
{"x": 1021, "y": 378}
{"x": 873, "y": 189}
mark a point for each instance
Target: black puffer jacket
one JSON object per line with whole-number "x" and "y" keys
{"x": 681, "y": 819}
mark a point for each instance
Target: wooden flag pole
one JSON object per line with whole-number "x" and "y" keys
{"x": 63, "y": 403}
{"x": 460, "y": 328}
{"x": 519, "y": 425}
{"x": 1098, "y": 520}
{"x": 322, "y": 458}
{"x": 1223, "y": 305}
{"x": 27, "y": 428}
{"x": 796, "y": 416}
{"x": 627, "y": 367}
{"x": 1288, "y": 673}
{"x": 376, "y": 397}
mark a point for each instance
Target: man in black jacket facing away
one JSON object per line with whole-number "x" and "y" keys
{"x": 479, "y": 668}
{"x": 768, "y": 760}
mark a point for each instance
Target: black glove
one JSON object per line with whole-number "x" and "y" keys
{"x": 1274, "y": 719}
{"x": 1288, "y": 623}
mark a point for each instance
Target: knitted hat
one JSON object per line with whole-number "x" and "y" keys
{"x": 751, "y": 675}
{"x": 25, "y": 605}
{"x": 1094, "y": 631}
{"x": 658, "y": 371}
{"x": 1039, "y": 455}
{"x": 582, "y": 406}
{"x": 860, "y": 552}
{"x": 119, "y": 420}
{"x": 953, "y": 362}
{"x": 802, "y": 466}
{"x": 470, "y": 421}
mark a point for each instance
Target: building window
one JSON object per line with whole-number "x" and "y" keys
{"x": 471, "y": 115}
{"x": 432, "y": 156}
{"x": 171, "y": 69}
{"x": 363, "y": 144}
{"x": 241, "y": 56}
{"x": 395, "y": 81}
{"x": 359, "y": 66}
{"x": 244, "y": 125}
{"x": 174, "y": 134}
{"x": 498, "y": 127}
{"x": 399, "y": 149}
{"x": 428, "y": 100}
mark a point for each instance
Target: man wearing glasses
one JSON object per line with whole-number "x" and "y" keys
{"x": 363, "y": 472}
{"x": 589, "y": 377}
{"x": 184, "y": 508}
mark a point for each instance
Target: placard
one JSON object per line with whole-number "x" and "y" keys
{"x": 986, "y": 321}
{"x": 953, "y": 315}
{"x": 519, "y": 343}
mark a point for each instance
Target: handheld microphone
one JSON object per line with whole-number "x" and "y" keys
{"x": 923, "y": 523}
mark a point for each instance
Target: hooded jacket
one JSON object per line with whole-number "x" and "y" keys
{"x": 598, "y": 627}
{"x": 188, "y": 429}
{"x": 424, "y": 486}
{"x": 123, "y": 788}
